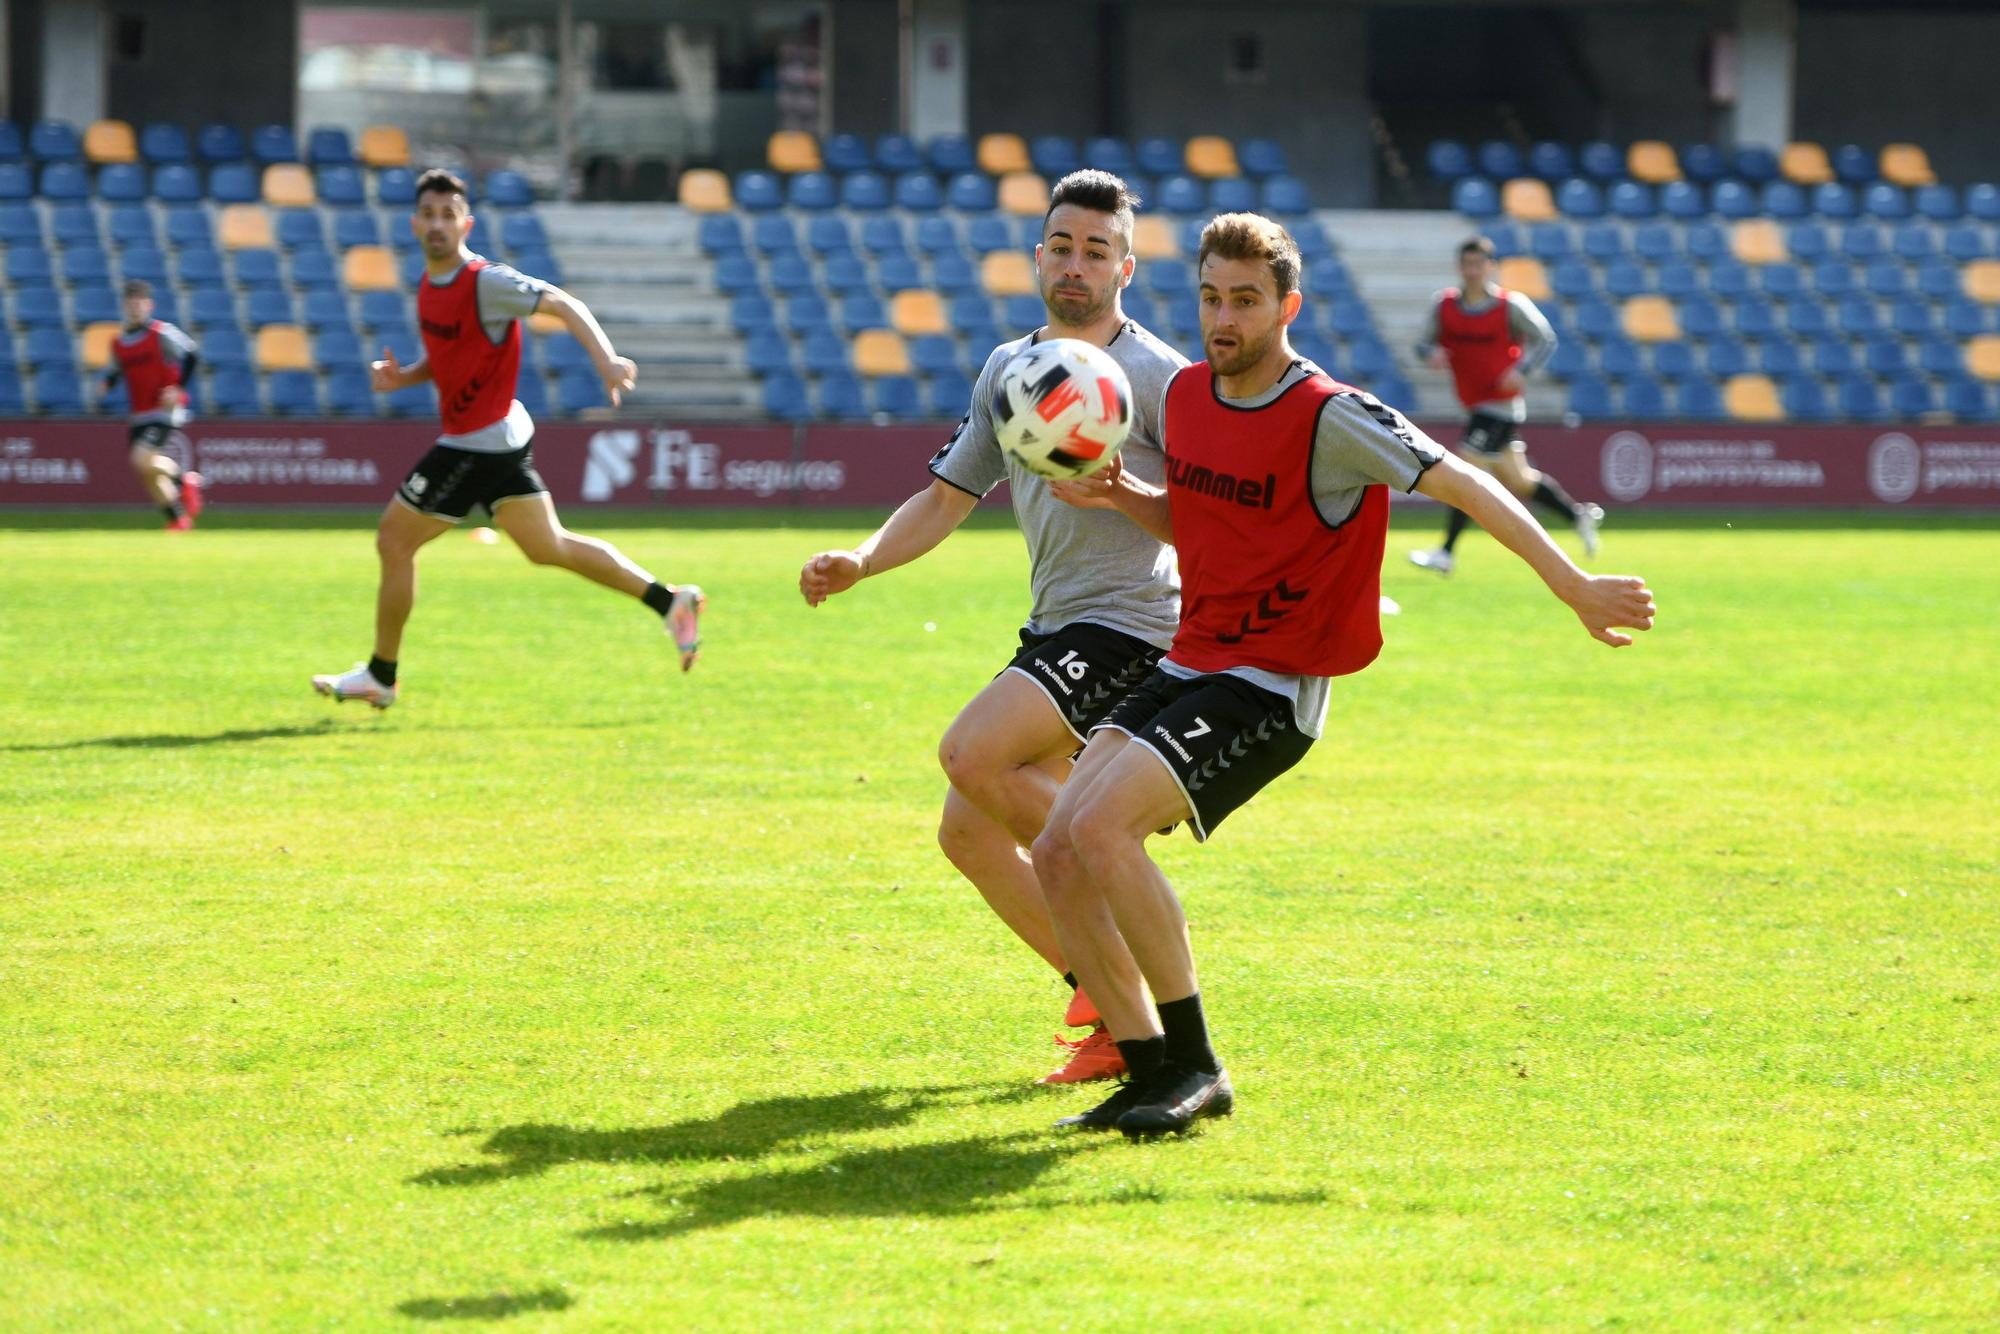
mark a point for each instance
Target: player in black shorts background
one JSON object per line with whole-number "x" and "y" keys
{"x": 156, "y": 362}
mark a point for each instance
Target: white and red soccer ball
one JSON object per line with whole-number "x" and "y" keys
{"x": 1063, "y": 408}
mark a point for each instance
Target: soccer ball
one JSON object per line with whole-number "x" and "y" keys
{"x": 1062, "y": 408}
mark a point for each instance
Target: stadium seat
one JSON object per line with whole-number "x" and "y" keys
{"x": 863, "y": 192}
{"x": 1781, "y": 279}
{"x": 972, "y": 318}
{"x": 1632, "y": 201}
{"x": 1757, "y": 241}
{"x": 1153, "y": 238}
{"x": 28, "y": 266}
{"x": 341, "y": 187}
{"x": 1053, "y": 155}
{"x": 1653, "y": 162}
{"x": 177, "y": 184}
{"x": 1853, "y": 164}
{"x": 1601, "y": 161}
{"x": 1590, "y": 398}
{"x": 1703, "y": 163}
{"x": 219, "y": 143}
{"x": 328, "y": 146}
{"x": 1805, "y": 164}
{"x": 283, "y": 347}
{"x": 948, "y": 394}
{"x": 265, "y": 306}
{"x": 1808, "y": 241}
{"x": 1500, "y": 159}
{"x": 773, "y": 234}
{"x": 1211, "y": 156}
{"x": 1913, "y": 242}
{"x": 828, "y": 234}
{"x": 792, "y": 151}
{"x": 1889, "y": 202}
{"x": 1967, "y": 399}
{"x": 1448, "y": 160}
{"x": 1160, "y": 156}
{"x": 1806, "y": 316}
{"x": 1982, "y": 357}
{"x": 1620, "y": 358}
{"x": 1752, "y": 398}
{"x": 704, "y": 190}
{"x": 188, "y": 226}
{"x": 972, "y": 192}
{"x": 1024, "y": 194}
{"x": 1475, "y": 197}
{"x": 1784, "y": 199}
{"x": 1680, "y": 199}
{"x": 160, "y": 142}
{"x": 109, "y": 141}
{"x": 1021, "y": 313}
{"x": 845, "y": 152}
{"x": 842, "y": 398}
{"x": 1678, "y": 279}
{"x": 1603, "y": 242}
{"x": 64, "y": 180}
{"x": 348, "y": 393}
{"x": 54, "y": 141}
{"x": 898, "y": 272}
{"x": 1528, "y": 200}
{"x": 846, "y": 274}
{"x": 898, "y": 397}
{"x": 1733, "y": 200}
{"x": 918, "y": 192}
{"x": 1578, "y": 198}
{"x": 369, "y": 268}
{"x": 47, "y": 346}
{"x": 57, "y": 391}
{"x": 952, "y": 154}
{"x": 1938, "y": 279}
{"x": 39, "y": 306}
{"x": 1906, "y": 164}
{"x": 881, "y": 352}
{"x": 1729, "y": 277}
{"x": 1981, "y": 279}
{"x": 300, "y": 227}
{"x": 785, "y": 397}
{"x": 1754, "y": 163}
{"x": 509, "y": 189}
{"x": 917, "y": 313}
{"x": 326, "y": 310}
{"x": 1885, "y": 278}
{"x": 1526, "y": 276}
{"x": 288, "y": 185}
{"x": 1003, "y": 154}
{"x": 396, "y": 187}
{"x": 1982, "y": 201}
{"x": 1834, "y": 200}
{"x": 811, "y": 191}
{"x": 1857, "y": 316}
{"x": 861, "y": 311}
{"x": 1651, "y": 319}
{"x": 1645, "y": 398}
{"x": 1259, "y": 158}
{"x": 242, "y": 226}
{"x": 1778, "y": 358}
{"x": 256, "y": 268}
{"x": 356, "y": 227}
{"x": 758, "y": 191}
{"x": 273, "y": 143}
{"x": 1551, "y": 161}
{"x": 147, "y": 263}
{"x": 523, "y": 231}
{"x": 382, "y": 312}
{"x": 96, "y": 344}
{"x": 233, "y": 183}
{"x": 1858, "y": 399}
{"x": 19, "y": 223}
{"x": 73, "y": 224}
{"x": 294, "y": 393}
{"x": 1182, "y": 195}
{"x": 1626, "y": 278}
{"x": 1939, "y": 203}
{"x": 1911, "y": 397}
{"x": 233, "y": 393}
{"x": 1232, "y": 194}
{"x": 1886, "y": 355}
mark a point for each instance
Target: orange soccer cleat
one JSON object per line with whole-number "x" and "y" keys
{"x": 1081, "y": 1013}
{"x": 1095, "y": 1056}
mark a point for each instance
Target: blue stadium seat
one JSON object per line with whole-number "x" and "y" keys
{"x": 1597, "y": 318}
{"x": 337, "y": 346}
{"x": 718, "y": 233}
{"x": 884, "y": 235}
{"x": 273, "y": 143}
{"x": 509, "y": 189}
{"x": 314, "y": 268}
{"x": 1754, "y": 163}
{"x": 99, "y": 304}
{"x": 1966, "y": 242}
{"x": 1803, "y": 399}
{"x": 48, "y": 346}
{"x": 952, "y": 154}
{"x": 948, "y": 394}
{"x": 1781, "y": 279}
{"x": 864, "y": 192}
{"x": 1159, "y": 156}
{"x": 341, "y": 187}
{"x": 1603, "y": 241}
{"x": 933, "y": 354}
{"x": 1854, "y": 164}
{"x": 1939, "y": 203}
{"x": 1448, "y": 159}
{"x": 233, "y": 393}
{"x": 1729, "y": 277}
{"x": 57, "y": 391}
{"x": 1624, "y": 278}
{"x": 13, "y": 398}
{"x": 327, "y": 147}
{"x": 1019, "y": 314}
{"x": 972, "y": 317}
{"x": 1857, "y": 316}
{"x": 383, "y": 311}
{"x": 1232, "y": 194}
{"x": 1283, "y": 196}
{"x": 1833, "y": 200}
{"x": 811, "y": 191}
{"x": 1679, "y": 199}
{"x": 1733, "y": 200}
{"x": 1833, "y": 276}
{"x": 1645, "y": 399}
{"x": 1912, "y": 317}
{"x": 85, "y": 264}
{"x": 918, "y": 192}
{"x": 55, "y": 141}
{"x": 1806, "y": 316}
{"x": 1725, "y": 357}
{"x": 846, "y": 274}
{"x": 1655, "y": 241}
{"x": 1863, "y": 240}
{"x": 1705, "y": 240}
{"x": 937, "y": 236}
{"x": 1168, "y": 277}
{"x": 785, "y": 398}
{"x": 1807, "y": 240}
{"x": 1181, "y": 194}
{"x": 1886, "y": 355}
{"x": 1500, "y": 160}
{"x": 1475, "y": 197}
{"x": 16, "y": 181}
{"x": 807, "y": 314}
{"x": 1601, "y": 161}
{"x": 758, "y": 191}
{"x": 1756, "y": 317}
{"x": 1619, "y": 357}
{"x": 28, "y": 265}
{"x": 1910, "y": 396}
{"x": 898, "y": 396}
{"x": 1703, "y": 163}
{"x": 1632, "y": 201}
{"x": 121, "y": 182}
{"x": 265, "y": 306}
{"x": 1551, "y": 161}
{"x": 1114, "y": 155}
{"x": 1508, "y": 239}
{"x": 1941, "y": 356}
{"x": 1964, "y": 318}
{"x": 896, "y": 153}
{"x": 1315, "y": 247}
{"x": 768, "y": 352}
{"x": 1699, "y": 400}
{"x": 562, "y": 354}
{"x": 1053, "y": 155}
{"x": 1913, "y": 241}
{"x": 735, "y": 274}
{"x": 1674, "y": 361}
{"x": 38, "y": 305}
{"x": 1967, "y": 399}
{"x": 972, "y": 192}
{"x": 1834, "y": 357}
{"x": 954, "y": 275}
{"x": 1570, "y": 359}
{"x": 12, "y": 149}
{"x": 144, "y": 262}
{"x": 1551, "y": 242}
{"x": 396, "y": 187}
{"x": 200, "y": 266}
{"x": 419, "y": 400}
{"x": 523, "y": 231}
{"x": 294, "y": 393}
{"x": 792, "y": 274}
{"x": 65, "y": 180}
{"x": 753, "y": 312}
{"x": 234, "y": 183}
{"x": 1590, "y": 398}
{"x": 1859, "y": 399}
{"x": 347, "y": 391}
{"x": 219, "y": 143}
{"x": 842, "y": 398}
{"x": 20, "y": 223}
{"x": 1784, "y": 200}
{"x": 1885, "y": 278}
{"x": 130, "y": 225}
{"x": 160, "y": 142}
{"x": 356, "y": 227}
{"x": 899, "y": 273}
{"x": 1349, "y": 317}
{"x": 1882, "y": 200}
{"x": 862, "y": 311}
{"x": 73, "y": 224}
{"x": 1578, "y": 198}
{"x": 845, "y": 152}
{"x": 325, "y": 309}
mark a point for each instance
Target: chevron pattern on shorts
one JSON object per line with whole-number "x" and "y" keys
{"x": 1238, "y": 748}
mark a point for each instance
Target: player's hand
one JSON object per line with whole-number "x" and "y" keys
{"x": 619, "y": 375}
{"x": 1093, "y": 492}
{"x": 1437, "y": 360}
{"x": 828, "y": 573}
{"x": 1607, "y": 602}
{"x": 1510, "y": 382}
{"x": 172, "y": 396}
{"x": 385, "y": 376}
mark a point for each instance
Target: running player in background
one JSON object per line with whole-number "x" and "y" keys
{"x": 1492, "y": 339}
{"x": 1277, "y": 499}
{"x": 1106, "y": 598}
{"x": 156, "y": 361}
{"x": 469, "y": 310}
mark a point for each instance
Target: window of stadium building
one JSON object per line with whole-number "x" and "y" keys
{"x": 651, "y": 89}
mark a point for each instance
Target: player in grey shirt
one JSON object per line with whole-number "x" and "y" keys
{"x": 1106, "y": 596}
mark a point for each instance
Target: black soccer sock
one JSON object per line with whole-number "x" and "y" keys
{"x": 173, "y": 511}
{"x": 1187, "y": 1035}
{"x": 660, "y": 597}
{"x": 1071, "y": 979}
{"x": 382, "y": 670}
{"x": 1454, "y": 524}
{"x": 1550, "y": 492}
{"x": 1143, "y": 1056}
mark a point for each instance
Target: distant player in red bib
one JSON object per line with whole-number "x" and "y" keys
{"x": 1277, "y": 500}
{"x": 469, "y": 309}
{"x": 1492, "y": 339}
{"x": 156, "y": 361}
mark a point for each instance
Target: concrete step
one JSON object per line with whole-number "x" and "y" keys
{"x": 666, "y": 227}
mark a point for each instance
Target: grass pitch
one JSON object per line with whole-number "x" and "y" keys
{"x": 1561, "y": 986}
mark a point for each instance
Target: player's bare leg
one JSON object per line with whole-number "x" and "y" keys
{"x": 997, "y": 864}
{"x": 532, "y": 523}
{"x": 401, "y": 534}
{"x": 159, "y": 476}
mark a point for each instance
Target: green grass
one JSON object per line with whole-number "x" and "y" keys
{"x": 1561, "y": 987}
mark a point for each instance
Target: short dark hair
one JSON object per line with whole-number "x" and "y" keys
{"x": 136, "y": 287}
{"x": 441, "y": 182}
{"x": 1100, "y": 192}
{"x": 1477, "y": 245}
{"x": 1253, "y": 236}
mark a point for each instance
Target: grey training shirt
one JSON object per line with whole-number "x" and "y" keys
{"x": 1085, "y": 564}
{"x": 504, "y": 295}
{"x": 1360, "y": 442}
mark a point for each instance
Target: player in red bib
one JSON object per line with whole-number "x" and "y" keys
{"x": 156, "y": 361}
{"x": 469, "y": 310}
{"x": 1492, "y": 339}
{"x": 1277, "y": 501}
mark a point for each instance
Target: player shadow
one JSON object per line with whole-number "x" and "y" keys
{"x": 746, "y": 1131}
{"x": 179, "y": 740}
{"x": 490, "y": 1306}
{"x": 936, "y": 1179}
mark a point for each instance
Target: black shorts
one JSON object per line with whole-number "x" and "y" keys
{"x": 1221, "y": 738}
{"x": 1083, "y": 669}
{"x": 447, "y": 482}
{"x": 151, "y": 435}
{"x": 1489, "y": 434}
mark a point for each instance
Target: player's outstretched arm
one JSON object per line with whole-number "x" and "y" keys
{"x": 1115, "y": 489}
{"x": 386, "y": 376}
{"x": 1607, "y": 604}
{"x": 919, "y": 523}
{"x": 618, "y": 373}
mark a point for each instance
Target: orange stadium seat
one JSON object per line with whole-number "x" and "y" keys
{"x": 1650, "y": 319}
{"x": 1758, "y": 241}
{"x": 244, "y": 227}
{"x": 369, "y": 268}
{"x": 1982, "y": 356}
{"x": 110, "y": 141}
{"x": 1981, "y": 279}
{"x": 288, "y": 185}
{"x": 283, "y": 347}
{"x": 704, "y": 190}
{"x": 1212, "y": 156}
{"x": 97, "y": 340}
{"x": 384, "y": 146}
{"x": 1752, "y": 398}
{"x": 1153, "y": 238}
{"x": 1653, "y": 162}
{"x": 1007, "y": 273}
{"x": 1805, "y": 163}
{"x": 915, "y": 313}
{"x": 1024, "y": 194}
{"x": 1907, "y": 164}
{"x": 792, "y": 151}
{"x": 881, "y": 352}
{"x": 1525, "y": 274}
{"x": 1002, "y": 153}
{"x": 1528, "y": 200}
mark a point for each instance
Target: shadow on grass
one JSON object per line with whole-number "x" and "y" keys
{"x": 492, "y": 1306}
{"x": 939, "y": 1179}
{"x": 747, "y": 1130}
{"x": 178, "y": 740}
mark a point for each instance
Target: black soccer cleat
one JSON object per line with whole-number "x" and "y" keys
{"x": 1175, "y": 1099}
{"x": 1131, "y": 1093}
